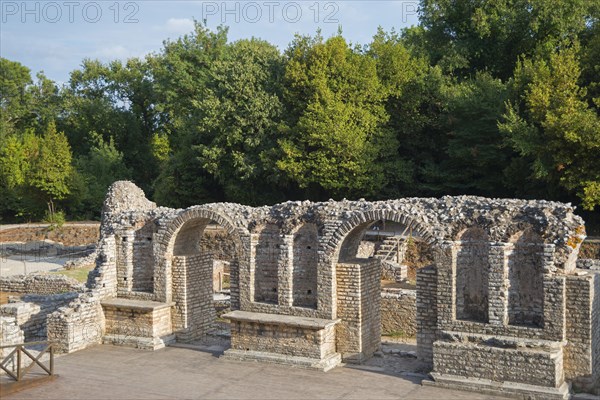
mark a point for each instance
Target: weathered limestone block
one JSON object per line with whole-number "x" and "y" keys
{"x": 10, "y": 333}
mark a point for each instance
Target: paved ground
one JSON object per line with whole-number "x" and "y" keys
{"x": 109, "y": 372}
{"x": 26, "y": 264}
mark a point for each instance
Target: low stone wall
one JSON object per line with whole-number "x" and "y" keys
{"x": 308, "y": 342}
{"x": 32, "y": 311}
{"x": 10, "y": 333}
{"x": 399, "y": 312}
{"x": 39, "y": 284}
{"x": 587, "y": 263}
{"x": 77, "y": 325}
{"x": 137, "y": 323}
{"x": 393, "y": 272}
{"x": 529, "y": 365}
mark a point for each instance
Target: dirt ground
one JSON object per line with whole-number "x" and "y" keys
{"x": 71, "y": 234}
{"x": 5, "y": 295}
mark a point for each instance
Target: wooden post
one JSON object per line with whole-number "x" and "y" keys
{"x": 18, "y": 363}
{"x": 51, "y": 359}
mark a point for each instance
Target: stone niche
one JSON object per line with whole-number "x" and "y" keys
{"x": 505, "y": 331}
{"x": 267, "y": 254}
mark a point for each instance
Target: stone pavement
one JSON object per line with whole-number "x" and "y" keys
{"x": 27, "y": 264}
{"x": 108, "y": 372}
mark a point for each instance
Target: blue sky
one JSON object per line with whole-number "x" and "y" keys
{"x": 54, "y": 36}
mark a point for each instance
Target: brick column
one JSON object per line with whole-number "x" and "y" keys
{"x": 498, "y": 283}
{"x": 285, "y": 273}
{"x": 124, "y": 239}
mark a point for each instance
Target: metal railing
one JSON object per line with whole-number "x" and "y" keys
{"x": 20, "y": 351}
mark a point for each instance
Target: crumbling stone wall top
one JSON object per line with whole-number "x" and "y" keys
{"x": 125, "y": 195}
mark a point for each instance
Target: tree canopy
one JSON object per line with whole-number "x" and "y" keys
{"x": 495, "y": 98}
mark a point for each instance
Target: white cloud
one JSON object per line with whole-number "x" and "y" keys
{"x": 113, "y": 52}
{"x": 180, "y": 25}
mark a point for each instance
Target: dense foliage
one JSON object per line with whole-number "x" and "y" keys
{"x": 496, "y": 98}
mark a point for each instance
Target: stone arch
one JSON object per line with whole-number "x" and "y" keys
{"x": 305, "y": 261}
{"x": 356, "y": 283}
{"x": 362, "y": 220}
{"x": 526, "y": 279}
{"x": 193, "y": 220}
{"x": 471, "y": 275}
{"x": 179, "y": 238}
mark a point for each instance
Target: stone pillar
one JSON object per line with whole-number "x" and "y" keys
{"x": 193, "y": 294}
{"x": 247, "y": 271}
{"x": 285, "y": 271}
{"x": 445, "y": 261}
{"x": 124, "y": 239}
{"x": 358, "y": 335}
{"x": 498, "y": 284}
{"x": 426, "y": 313}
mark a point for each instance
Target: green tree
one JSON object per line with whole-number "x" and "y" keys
{"x": 239, "y": 130}
{"x": 98, "y": 170}
{"x": 550, "y": 124}
{"x": 465, "y": 36}
{"x": 414, "y": 103}
{"x": 51, "y": 170}
{"x": 14, "y": 97}
{"x": 336, "y": 120}
{"x": 182, "y": 72}
{"x": 117, "y": 101}
{"x": 476, "y": 152}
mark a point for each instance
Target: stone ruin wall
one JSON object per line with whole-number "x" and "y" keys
{"x": 287, "y": 262}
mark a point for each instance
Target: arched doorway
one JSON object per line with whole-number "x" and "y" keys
{"x": 374, "y": 295}
{"x": 202, "y": 245}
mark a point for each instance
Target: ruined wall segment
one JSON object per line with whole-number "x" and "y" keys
{"x": 499, "y": 294}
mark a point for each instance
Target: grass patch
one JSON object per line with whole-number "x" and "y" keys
{"x": 398, "y": 335}
{"x": 79, "y": 274}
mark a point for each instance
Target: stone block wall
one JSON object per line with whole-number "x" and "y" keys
{"x": 358, "y": 307}
{"x": 579, "y": 333}
{"x": 78, "y": 325}
{"x": 130, "y": 322}
{"x": 540, "y": 367}
{"x": 399, "y": 312}
{"x": 426, "y": 313}
{"x": 103, "y": 278}
{"x": 471, "y": 278}
{"x": 10, "y": 334}
{"x": 137, "y": 323}
{"x": 32, "y": 312}
{"x": 508, "y": 277}
{"x": 587, "y": 263}
{"x": 283, "y": 339}
{"x": 39, "y": 284}
{"x": 526, "y": 282}
{"x": 193, "y": 296}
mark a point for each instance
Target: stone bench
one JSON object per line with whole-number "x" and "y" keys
{"x": 298, "y": 341}
{"x": 137, "y": 323}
